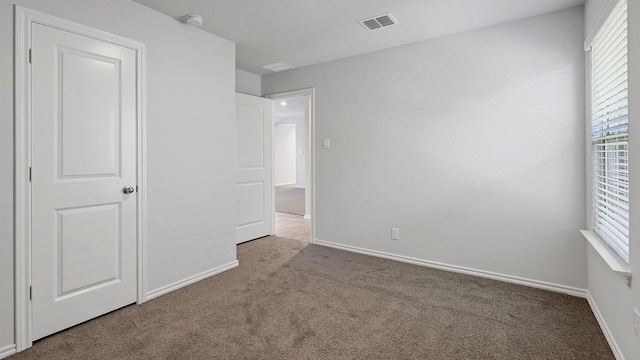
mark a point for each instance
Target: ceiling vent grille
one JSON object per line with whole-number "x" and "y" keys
{"x": 277, "y": 66}
{"x": 378, "y": 22}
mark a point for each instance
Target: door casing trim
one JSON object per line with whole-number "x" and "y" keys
{"x": 24, "y": 18}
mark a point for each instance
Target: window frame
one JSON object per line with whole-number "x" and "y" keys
{"x": 611, "y": 258}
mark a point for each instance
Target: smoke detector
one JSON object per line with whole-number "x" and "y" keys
{"x": 194, "y": 20}
{"x": 378, "y": 22}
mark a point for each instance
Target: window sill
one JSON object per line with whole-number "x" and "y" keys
{"x": 610, "y": 258}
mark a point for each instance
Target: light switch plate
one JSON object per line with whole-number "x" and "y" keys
{"x": 326, "y": 143}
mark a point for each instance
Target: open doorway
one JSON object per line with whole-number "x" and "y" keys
{"x": 292, "y": 173}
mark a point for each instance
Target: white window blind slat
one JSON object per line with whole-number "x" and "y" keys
{"x": 610, "y": 132}
{"x": 617, "y": 16}
{"x": 614, "y": 82}
{"x": 611, "y": 237}
{"x": 623, "y": 109}
{"x": 611, "y": 62}
{"x": 621, "y": 185}
{"x": 614, "y": 221}
{"x": 612, "y": 47}
{"x": 614, "y": 89}
{"x": 617, "y": 213}
{"x": 612, "y": 29}
{"x": 619, "y": 196}
{"x": 612, "y": 231}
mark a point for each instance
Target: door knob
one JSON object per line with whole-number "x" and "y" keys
{"x": 128, "y": 189}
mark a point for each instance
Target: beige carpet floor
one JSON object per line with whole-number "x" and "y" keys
{"x": 292, "y": 300}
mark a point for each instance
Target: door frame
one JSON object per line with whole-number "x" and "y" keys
{"x": 310, "y": 159}
{"x": 24, "y": 18}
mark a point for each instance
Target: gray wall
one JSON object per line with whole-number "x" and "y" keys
{"x": 284, "y": 154}
{"x": 301, "y": 150}
{"x": 189, "y": 119}
{"x": 471, "y": 144}
{"x": 248, "y": 83}
{"x": 611, "y": 296}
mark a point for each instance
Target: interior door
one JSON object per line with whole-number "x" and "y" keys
{"x": 254, "y": 188}
{"x": 83, "y": 178}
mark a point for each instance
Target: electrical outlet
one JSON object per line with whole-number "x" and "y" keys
{"x": 636, "y": 323}
{"x": 395, "y": 234}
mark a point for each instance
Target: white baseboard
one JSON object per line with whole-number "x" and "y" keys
{"x": 190, "y": 280}
{"x": 462, "y": 270}
{"x": 7, "y": 351}
{"x": 300, "y": 187}
{"x": 617, "y": 353}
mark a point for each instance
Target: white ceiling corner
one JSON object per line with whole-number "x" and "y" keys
{"x": 302, "y": 33}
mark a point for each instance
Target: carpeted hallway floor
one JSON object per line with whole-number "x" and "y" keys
{"x": 290, "y": 200}
{"x": 292, "y": 300}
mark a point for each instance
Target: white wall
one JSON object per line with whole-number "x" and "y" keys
{"x": 284, "y": 144}
{"x": 300, "y": 123}
{"x": 471, "y": 144}
{"x": 248, "y": 83}
{"x": 301, "y": 148}
{"x": 610, "y": 295}
{"x": 191, "y": 223}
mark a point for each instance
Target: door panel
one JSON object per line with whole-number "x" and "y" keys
{"x": 86, "y": 262}
{"x": 83, "y": 155}
{"x": 254, "y": 188}
{"x": 89, "y": 122}
{"x": 250, "y": 203}
{"x": 251, "y": 129}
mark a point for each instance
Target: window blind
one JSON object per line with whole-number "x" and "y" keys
{"x": 610, "y": 132}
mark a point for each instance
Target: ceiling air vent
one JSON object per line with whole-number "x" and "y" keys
{"x": 277, "y": 66}
{"x": 378, "y": 22}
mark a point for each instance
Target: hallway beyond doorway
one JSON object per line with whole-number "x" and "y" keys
{"x": 290, "y": 199}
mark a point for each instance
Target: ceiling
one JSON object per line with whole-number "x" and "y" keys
{"x": 307, "y": 32}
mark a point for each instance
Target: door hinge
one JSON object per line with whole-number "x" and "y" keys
{"x": 136, "y": 188}
{"x": 29, "y": 173}
{"x": 30, "y": 57}
{"x": 30, "y": 292}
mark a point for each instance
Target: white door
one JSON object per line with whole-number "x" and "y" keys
{"x": 83, "y": 156}
{"x": 254, "y": 188}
